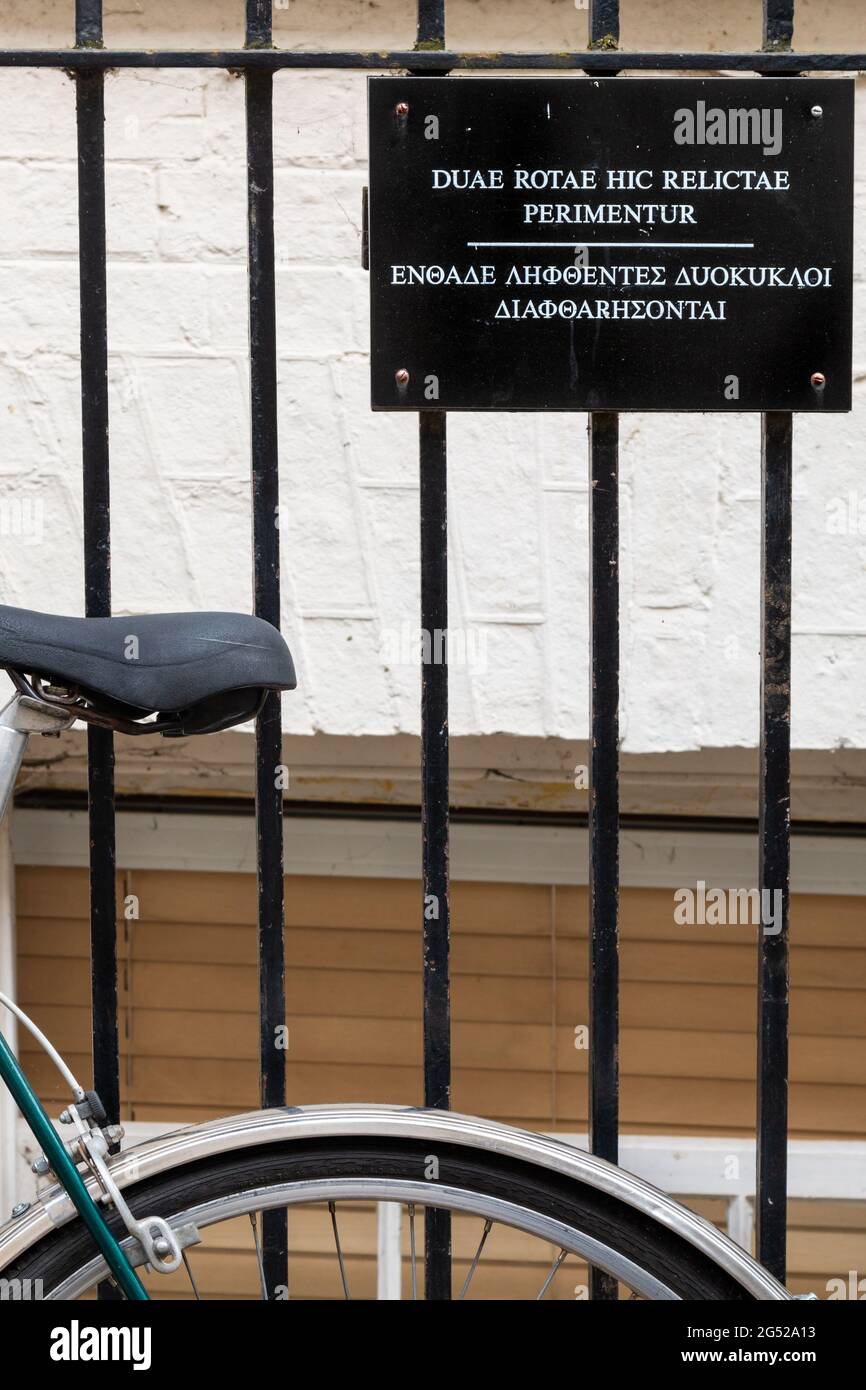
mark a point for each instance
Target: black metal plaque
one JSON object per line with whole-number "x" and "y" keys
{"x": 629, "y": 244}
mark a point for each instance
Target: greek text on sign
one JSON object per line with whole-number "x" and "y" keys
{"x": 627, "y": 244}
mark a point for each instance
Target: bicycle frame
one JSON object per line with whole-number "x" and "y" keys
{"x": 20, "y": 718}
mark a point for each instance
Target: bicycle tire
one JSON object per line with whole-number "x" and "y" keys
{"x": 478, "y": 1177}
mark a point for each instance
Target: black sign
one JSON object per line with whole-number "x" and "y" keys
{"x": 613, "y": 244}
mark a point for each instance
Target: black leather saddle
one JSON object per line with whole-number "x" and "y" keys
{"x": 197, "y": 672}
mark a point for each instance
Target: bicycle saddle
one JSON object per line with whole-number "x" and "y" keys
{"x": 197, "y": 672}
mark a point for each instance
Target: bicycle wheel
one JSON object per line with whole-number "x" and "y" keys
{"x": 567, "y": 1220}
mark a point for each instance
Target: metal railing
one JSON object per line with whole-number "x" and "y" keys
{"x": 258, "y": 61}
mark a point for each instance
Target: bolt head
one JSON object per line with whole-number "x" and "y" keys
{"x": 402, "y": 109}
{"x": 20, "y": 1208}
{"x": 401, "y": 376}
{"x": 818, "y": 379}
{"x": 817, "y": 111}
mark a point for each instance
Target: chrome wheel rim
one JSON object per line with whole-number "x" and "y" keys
{"x": 560, "y": 1236}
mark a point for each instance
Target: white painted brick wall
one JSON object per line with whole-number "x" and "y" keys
{"x": 177, "y": 297}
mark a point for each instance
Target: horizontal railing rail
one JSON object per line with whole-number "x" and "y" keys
{"x": 433, "y": 60}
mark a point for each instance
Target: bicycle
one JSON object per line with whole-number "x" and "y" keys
{"x": 124, "y": 1215}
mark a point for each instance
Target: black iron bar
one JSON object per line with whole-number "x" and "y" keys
{"x": 434, "y": 813}
{"x": 431, "y": 61}
{"x": 90, "y": 119}
{"x": 604, "y": 801}
{"x": 774, "y": 843}
{"x": 88, "y": 23}
{"x": 266, "y": 589}
{"x": 604, "y": 23}
{"x": 774, "y": 808}
{"x": 778, "y": 24}
{"x": 435, "y": 918}
{"x": 97, "y": 549}
{"x": 431, "y": 24}
{"x": 603, "y": 820}
{"x": 259, "y": 25}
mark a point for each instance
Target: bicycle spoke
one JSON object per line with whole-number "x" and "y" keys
{"x": 333, "y": 1210}
{"x": 474, "y": 1265}
{"x": 554, "y": 1267}
{"x": 260, "y": 1261}
{"x": 412, "y": 1249}
{"x": 188, "y": 1268}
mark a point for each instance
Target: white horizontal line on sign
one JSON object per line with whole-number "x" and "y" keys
{"x": 578, "y": 245}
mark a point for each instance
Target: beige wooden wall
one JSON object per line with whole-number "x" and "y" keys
{"x": 189, "y": 1027}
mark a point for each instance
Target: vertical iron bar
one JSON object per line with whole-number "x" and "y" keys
{"x": 778, "y": 24}
{"x": 90, "y": 120}
{"x": 603, "y": 23}
{"x": 259, "y": 26}
{"x": 266, "y": 585}
{"x": 431, "y": 24}
{"x": 88, "y": 24}
{"x": 97, "y": 546}
{"x": 604, "y": 801}
{"x": 775, "y": 843}
{"x": 774, "y": 832}
{"x": 434, "y": 812}
{"x": 433, "y": 459}
{"x": 604, "y": 757}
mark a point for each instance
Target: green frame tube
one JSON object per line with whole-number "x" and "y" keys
{"x": 67, "y": 1174}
